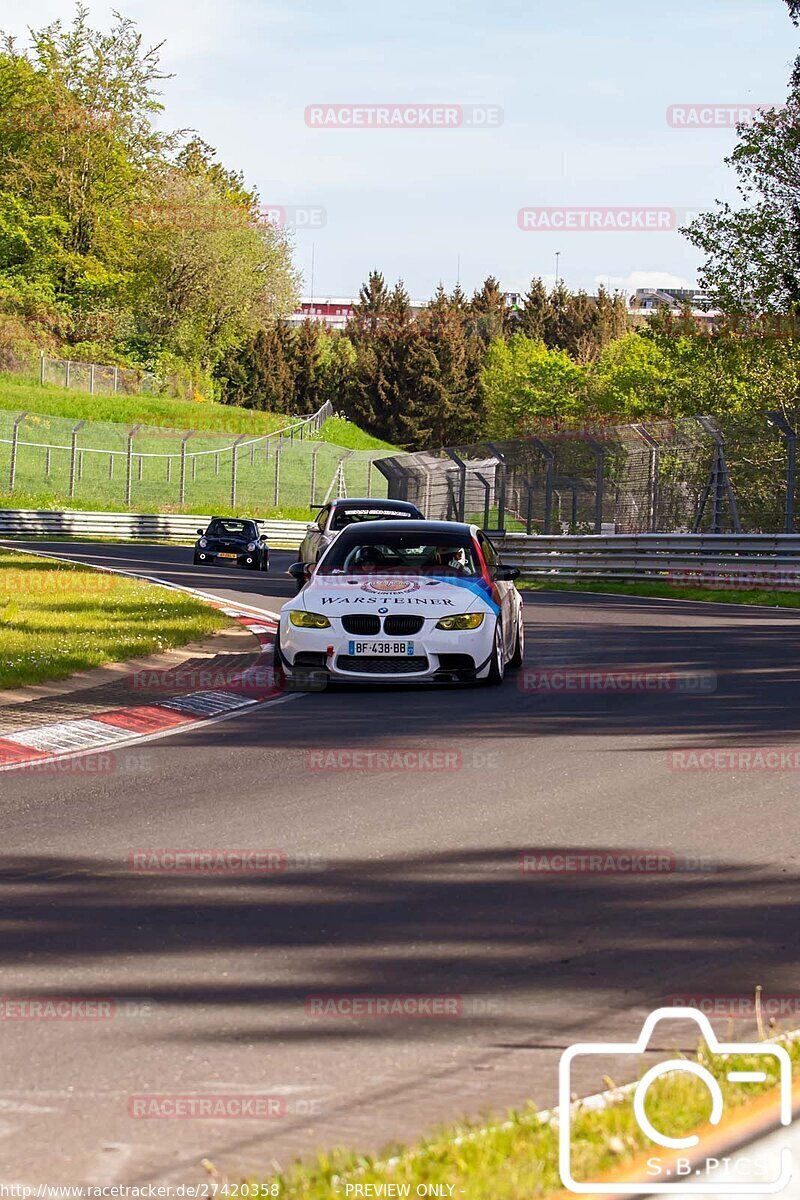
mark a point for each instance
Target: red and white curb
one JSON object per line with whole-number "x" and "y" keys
{"x": 31, "y": 749}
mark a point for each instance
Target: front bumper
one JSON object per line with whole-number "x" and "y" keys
{"x": 438, "y": 655}
{"x": 249, "y": 558}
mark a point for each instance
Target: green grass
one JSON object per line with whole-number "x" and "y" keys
{"x": 57, "y": 619}
{"x": 20, "y": 393}
{"x": 346, "y": 434}
{"x": 668, "y": 591}
{"x": 516, "y": 1157}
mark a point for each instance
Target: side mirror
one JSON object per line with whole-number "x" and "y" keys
{"x": 201, "y": 532}
{"x": 297, "y": 571}
{"x": 311, "y": 526}
{"x": 506, "y": 574}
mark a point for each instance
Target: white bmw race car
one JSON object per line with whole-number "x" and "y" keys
{"x": 403, "y": 601}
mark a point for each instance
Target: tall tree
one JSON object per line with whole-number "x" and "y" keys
{"x": 488, "y": 309}
{"x": 753, "y": 252}
{"x": 535, "y": 310}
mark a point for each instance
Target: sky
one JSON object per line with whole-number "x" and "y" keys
{"x": 573, "y": 96}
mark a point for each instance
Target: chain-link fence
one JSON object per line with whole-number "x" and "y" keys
{"x": 92, "y": 464}
{"x": 697, "y": 473}
{"x": 97, "y": 378}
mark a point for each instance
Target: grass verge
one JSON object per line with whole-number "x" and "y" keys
{"x": 344, "y": 433}
{"x": 516, "y": 1158}
{"x": 668, "y": 591}
{"x": 18, "y": 392}
{"x": 57, "y": 619}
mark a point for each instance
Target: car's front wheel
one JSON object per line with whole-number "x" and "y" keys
{"x": 497, "y": 665}
{"x": 519, "y": 646}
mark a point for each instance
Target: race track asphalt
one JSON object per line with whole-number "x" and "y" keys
{"x": 397, "y": 883}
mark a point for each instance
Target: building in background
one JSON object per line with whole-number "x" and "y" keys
{"x": 646, "y": 301}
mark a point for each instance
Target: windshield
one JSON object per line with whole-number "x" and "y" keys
{"x": 402, "y": 554}
{"x": 342, "y": 517}
{"x": 238, "y": 529}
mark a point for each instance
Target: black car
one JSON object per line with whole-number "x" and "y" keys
{"x": 231, "y": 540}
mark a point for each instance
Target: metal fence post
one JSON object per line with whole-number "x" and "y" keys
{"x": 501, "y": 489}
{"x": 80, "y": 466}
{"x": 48, "y": 461}
{"x": 719, "y": 483}
{"x": 487, "y": 491}
{"x": 41, "y": 367}
{"x": 549, "y": 456}
{"x": 14, "y": 443}
{"x": 73, "y": 458}
{"x": 129, "y": 463}
{"x": 599, "y": 452}
{"x": 648, "y": 438}
{"x": 277, "y": 473}
{"x": 116, "y": 379}
{"x": 169, "y": 468}
{"x": 314, "y": 454}
{"x": 91, "y": 379}
{"x": 184, "y": 440}
{"x": 140, "y": 471}
{"x": 234, "y": 448}
{"x": 369, "y": 479}
{"x": 111, "y": 466}
{"x": 462, "y": 483}
{"x": 790, "y": 434}
{"x": 66, "y": 375}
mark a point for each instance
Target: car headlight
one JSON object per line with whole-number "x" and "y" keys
{"x": 308, "y": 620}
{"x": 203, "y": 543}
{"x": 462, "y": 621}
{"x": 251, "y": 546}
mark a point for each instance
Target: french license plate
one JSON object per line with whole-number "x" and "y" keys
{"x": 394, "y": 649}
{"x": 227, "y": 556}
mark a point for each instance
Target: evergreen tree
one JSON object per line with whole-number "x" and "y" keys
{"x": 488, "y": 309}
{"x": 307, "y": 367}
{"x": 373, "y": 299}
{"x": 535, "y": 310}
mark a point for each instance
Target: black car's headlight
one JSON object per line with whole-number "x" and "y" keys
{"x": 251, "y": 546}
{"x": 203, "y": 543}
{"x": 462, "y": 621}
{"x": 308, "y": 620}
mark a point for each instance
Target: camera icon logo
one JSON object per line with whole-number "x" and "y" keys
{"x": 686, "y": 1175}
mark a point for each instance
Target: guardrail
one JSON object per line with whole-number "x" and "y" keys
{"x": 19, "y": 523}
{"x": 733, "y": 560}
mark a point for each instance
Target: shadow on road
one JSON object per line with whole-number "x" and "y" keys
{"x": 457, "y": 924}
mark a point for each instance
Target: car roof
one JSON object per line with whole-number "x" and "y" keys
{"x": 365, "y": 502}
{"x": 353, "y": 532}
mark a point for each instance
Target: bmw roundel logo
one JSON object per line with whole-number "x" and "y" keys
{"x": 383, "y": 610}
